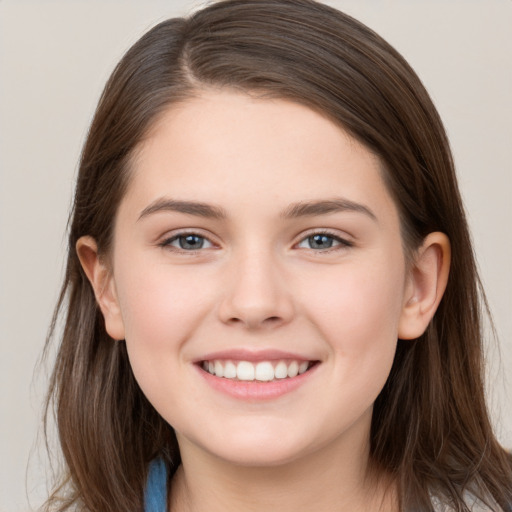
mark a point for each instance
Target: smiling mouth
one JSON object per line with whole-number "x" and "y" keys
{"x": 262, "y": 371}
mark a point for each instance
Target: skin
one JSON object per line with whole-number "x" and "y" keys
{"x": 257, "y": 284}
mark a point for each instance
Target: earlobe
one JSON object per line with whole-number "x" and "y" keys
{"x": 102, "y": 282}
{"x": 425, "y": 286}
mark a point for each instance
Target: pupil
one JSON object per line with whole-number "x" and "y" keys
{"x": 191, "y": 242}
{"x": 320, "y": 241}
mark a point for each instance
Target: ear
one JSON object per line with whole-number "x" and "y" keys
{"x": 102, "y": 282}
{"x": 425, "y": 285}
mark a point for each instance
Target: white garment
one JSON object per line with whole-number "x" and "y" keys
{"x": 473, "y": 503}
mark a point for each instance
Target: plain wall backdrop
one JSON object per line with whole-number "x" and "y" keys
{"x": 55, "y": 57}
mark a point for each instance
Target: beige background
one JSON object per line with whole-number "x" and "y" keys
{"x": 54, "y": 59}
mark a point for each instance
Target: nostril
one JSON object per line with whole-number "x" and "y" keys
{"x": 270, "y": 319}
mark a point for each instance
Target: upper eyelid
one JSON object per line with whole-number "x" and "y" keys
{"x": 175, "y": 233}
{"x": 342, "y": 236}
{"x": 304, "y": 234}
{"x": 170, "y": 238}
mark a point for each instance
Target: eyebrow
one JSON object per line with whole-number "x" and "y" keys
{"x": 323, "y": 207}
{"x": 293, "y": 211}
{"x": 189, "y": 207}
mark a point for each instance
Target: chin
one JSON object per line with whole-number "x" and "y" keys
{"x": 257, "y": 451}
{"x": 258, "y": 458}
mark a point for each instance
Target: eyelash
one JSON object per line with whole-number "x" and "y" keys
{"x": 341, "y": 243}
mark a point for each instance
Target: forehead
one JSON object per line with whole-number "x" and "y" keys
{"x": 233, "y": 148}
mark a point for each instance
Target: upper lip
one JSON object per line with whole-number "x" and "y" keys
{"x": 243, "y": 354}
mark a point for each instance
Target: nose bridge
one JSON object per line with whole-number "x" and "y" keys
{"x": 257, "y": 294}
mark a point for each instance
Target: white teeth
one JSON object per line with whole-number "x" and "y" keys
{"x": 281, "y": 370}
{"x": 229, "y": 370}
{"x": 264, "y": 371}
{"x": 245, "y": 371}
{"x": 219, "y": 370}
{"x": 303, "y": 367}
{"x": 293, "y": 369}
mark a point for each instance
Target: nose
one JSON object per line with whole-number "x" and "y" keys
{"x": 256, "y": 294}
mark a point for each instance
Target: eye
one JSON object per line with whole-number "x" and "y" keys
{"x": 187, "y": 242}
{"x": 323, "y": 241}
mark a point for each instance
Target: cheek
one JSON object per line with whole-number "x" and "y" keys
{"x": 358, "y": 314}
{"x": 160, "y": 305}
{"x": 360, "y": 323}
{"x": 357, "y": 307}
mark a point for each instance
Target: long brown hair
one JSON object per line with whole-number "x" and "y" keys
{"x": 430, "y": 427}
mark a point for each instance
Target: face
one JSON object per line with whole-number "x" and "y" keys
{"x": 258, "y": 268}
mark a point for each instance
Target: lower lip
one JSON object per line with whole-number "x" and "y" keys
{"x": 256, "y": 390}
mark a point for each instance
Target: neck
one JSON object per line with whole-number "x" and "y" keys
{"x": 334, "y": 478}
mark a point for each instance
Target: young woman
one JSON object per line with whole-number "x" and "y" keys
{"x": 271, "y": 297}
